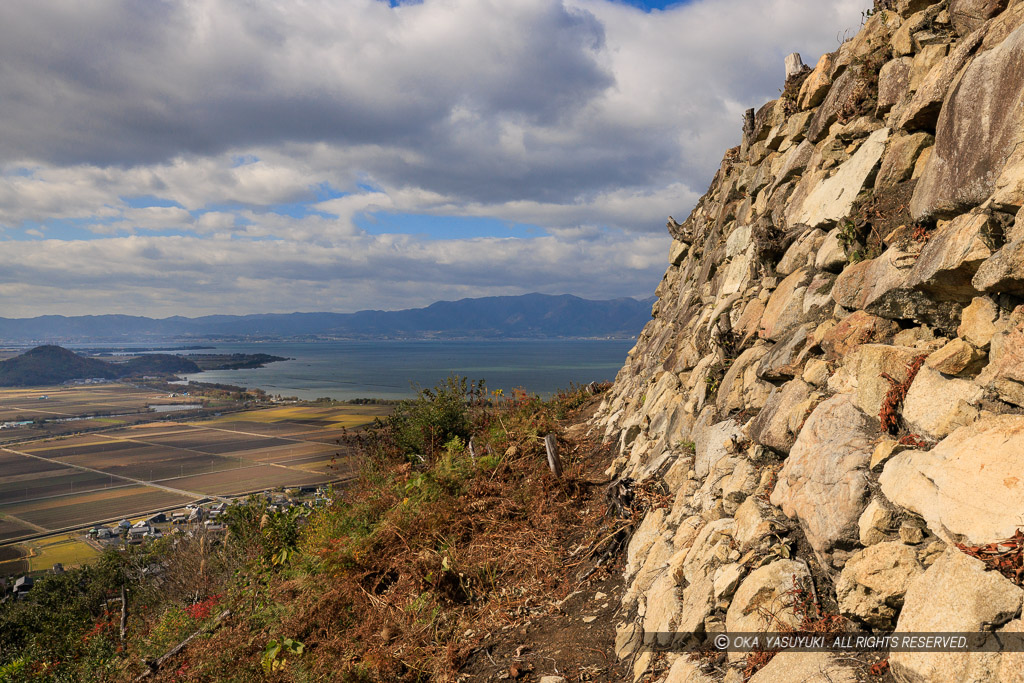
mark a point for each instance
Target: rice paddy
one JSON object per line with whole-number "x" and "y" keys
{"x": 56, "y": 483}
{"x": 68, "y": 550}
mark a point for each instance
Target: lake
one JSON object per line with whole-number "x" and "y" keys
{"x": 387, "y": 369}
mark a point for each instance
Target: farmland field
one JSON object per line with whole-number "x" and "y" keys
{"x": 10, "y": 528}
{"x": 13, "y": 560}
{"x": 65, "y": 511}
{"x": 54, "y": 483}
{"x": 67, "y": 549}
{"x": 69, "y": 409}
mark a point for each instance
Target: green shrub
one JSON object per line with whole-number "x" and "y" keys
{"x": 424, "y": 425}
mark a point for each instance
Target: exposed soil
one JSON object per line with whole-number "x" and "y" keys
{"x": 571, "y": 633}
{"x": 574, "y": 640}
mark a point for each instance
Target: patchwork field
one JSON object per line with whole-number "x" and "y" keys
{"x": 82, "y": 508}
{"x": 13, "y": 560}
{"x": 10, "y": 528}
{"x": 70, "y": 409}
{"x": 78, "y": 401}
{"x": 67, "y": 549}
{"x": 54, "y": 483}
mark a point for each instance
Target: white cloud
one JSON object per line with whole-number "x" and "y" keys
{"x": 588, "y": 118}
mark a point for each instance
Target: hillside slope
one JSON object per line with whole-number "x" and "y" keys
{"x": 831, "y": 389}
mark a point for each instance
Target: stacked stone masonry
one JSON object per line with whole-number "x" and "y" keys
{"x": 857, "y": 263}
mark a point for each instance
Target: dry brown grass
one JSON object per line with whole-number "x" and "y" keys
{"x": 402, "y": 578}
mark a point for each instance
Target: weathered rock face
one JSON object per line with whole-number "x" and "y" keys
{"x": 955, "y": 358}
{"x": 978, "y": 136}
{"x": 955, "y": 595}
{"x": 1005, "y": 372}
{"x": 970, "y": 487}
{"x": 954, "y": 252}
{"x": 978, "y": 322}
{"x": 824, "y": 480}
{"x": 855, "y": 329}
{"x": 782, "y": 416}
{"x": 844, "y": 303}
{"x": 874, "y": 581}
{"x": 861, "y": 374}
{"x": 969, "y": 15}
{"x": 880, "y": 286}
{"x": 807, "y": 667}
{"x": 832, "y": 199}
{"x": 926, "y": 103}
{"x": 936, "y": 405}
{"x": 764, "y": 592}
{"x": 1003, "y": 272}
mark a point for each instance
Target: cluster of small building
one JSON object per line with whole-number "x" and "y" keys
{"x": 194, "y": 519}
{"x": 202, "y": 516}
{"x": 18, "y": 589}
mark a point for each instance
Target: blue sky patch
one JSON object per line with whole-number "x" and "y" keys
{"x": 147, "y": 201}
{"x": 443, "y": 227}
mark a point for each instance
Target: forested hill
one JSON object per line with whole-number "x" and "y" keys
{"x": 526, "y": 316}
{"x": 46, "y": 365}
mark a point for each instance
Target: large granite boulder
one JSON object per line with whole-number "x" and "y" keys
{"x": 979, "y": 138}
{"x": 806, "y": 667}
{"x": 761, "y": 602}
{"x": 823, "y": 482}
{"x": 923, "y": 110}
{"x": 842, "y": 90}
{"x": 954, "y": 253}
{"x": 785, "y": 308}
{"x": 786, "y": 358}
{"x": 893, "y": 81}
{"x": 936, "y": 405}
{"x": 779, "y": 422}
{"x": 900, "y": 159}
{"x": 755, "y": 520}
{"x": 832, "y": 199}
{"x": 856, "y": 329}
{"x": 968, "y": 16}
{"x": 1004, "y": 271}
{"x": 955, "y": 358}
{"x": 860, "y": 374}
{"x": 970, "y": 487}
{"x": 955, "y": 595}
{"x": 874, "y": 581}
{"x": 740, "y": 388}
{"x": 815, "y": 87}
{"x": 879, "y": 286}
{"x": 712, "y": 443}
{"x": 686, "y": 670}
{"x": 978, "y": 322}
{"x": 1005, "y": 372}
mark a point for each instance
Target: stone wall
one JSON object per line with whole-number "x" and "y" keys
{"x": 832, "y": 382}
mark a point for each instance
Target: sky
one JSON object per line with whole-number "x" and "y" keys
{"x": 191, "y": 157}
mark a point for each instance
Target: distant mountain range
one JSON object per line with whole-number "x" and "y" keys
{"x": 502, "y": 317}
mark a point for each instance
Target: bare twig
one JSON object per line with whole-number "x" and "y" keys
{"x": 155, "y": 666}
{"x": 124, "y": 612}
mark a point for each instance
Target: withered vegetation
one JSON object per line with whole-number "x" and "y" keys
{"x": 453, "y": 530}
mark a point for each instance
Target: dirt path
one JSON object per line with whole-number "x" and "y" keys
{"x": 572, "y": 637}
